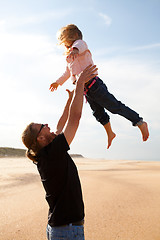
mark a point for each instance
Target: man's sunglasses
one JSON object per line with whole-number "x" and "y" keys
{"x": 42, "y": 126}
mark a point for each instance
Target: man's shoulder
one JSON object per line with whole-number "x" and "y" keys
{"x": 55, "y": 149}
{"x": 59, "y": 141}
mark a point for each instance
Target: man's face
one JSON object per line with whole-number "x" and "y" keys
{"x": 44, "y": 131}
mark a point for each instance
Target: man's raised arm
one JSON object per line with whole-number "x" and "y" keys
{"x": 64, "y": 117}
{"x": 77, "y": 104}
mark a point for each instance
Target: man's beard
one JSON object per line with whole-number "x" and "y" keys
{"x": 50, "y": 137}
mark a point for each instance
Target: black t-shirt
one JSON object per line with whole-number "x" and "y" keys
{"x": 61, "y": 182}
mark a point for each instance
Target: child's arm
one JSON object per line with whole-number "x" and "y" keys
{"x": 77, "y": 48}
{"x": 60, "y": 80}
{"x": 74, "y": 52}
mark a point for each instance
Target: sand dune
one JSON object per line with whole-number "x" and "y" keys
{"x": 122, "y": 200}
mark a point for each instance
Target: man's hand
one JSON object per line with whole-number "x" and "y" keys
{"x": 88, "y": 73}
{"x": 53, "y": 86}
{"x": 70, "y": 93}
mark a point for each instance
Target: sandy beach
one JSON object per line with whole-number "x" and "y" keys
{"x": 122, "y": 200}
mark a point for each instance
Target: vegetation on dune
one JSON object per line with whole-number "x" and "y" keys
{"x": 16, "y": 152}
{"x": 12, "y": 152}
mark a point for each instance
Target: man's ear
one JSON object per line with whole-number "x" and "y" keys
{"x": 40, "y": 139}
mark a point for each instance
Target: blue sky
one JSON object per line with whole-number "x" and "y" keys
{"x": 124, "y": 38}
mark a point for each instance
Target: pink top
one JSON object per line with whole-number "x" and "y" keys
{"x": 75, "y": 67}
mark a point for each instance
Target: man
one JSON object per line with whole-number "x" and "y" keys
{"x": 57, "y": 170}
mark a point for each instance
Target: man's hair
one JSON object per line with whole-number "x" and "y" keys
{"x": 29, "y": 139}
{"x": 69, "y": 33}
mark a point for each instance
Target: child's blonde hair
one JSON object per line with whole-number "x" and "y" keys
{"x": 69, "y": 33}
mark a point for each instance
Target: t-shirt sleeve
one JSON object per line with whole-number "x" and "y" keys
{"x": 81, "y": 45}
{"x": 61, "y": 141}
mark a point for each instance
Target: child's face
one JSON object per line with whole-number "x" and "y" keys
{"x": 68, "y": 44}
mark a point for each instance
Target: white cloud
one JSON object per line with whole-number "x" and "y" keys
{"x": 100, "y": 52}
{"x": 123, "y": 50}
{"x": 106, "y": 19}
{"x": 2, "y": 25}
{"x": 24, "y": 44}
{"x": 145, "y": 47}
{"x": 28, "y": 63}
{"x": 14, "y": 21}
{"x": 2, "y": 22}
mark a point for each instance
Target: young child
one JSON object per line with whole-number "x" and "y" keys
{"x": 78, "y": 57}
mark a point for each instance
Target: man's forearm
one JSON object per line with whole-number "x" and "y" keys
{"x": 77, "y": 104}
{"x": 63, "y": 119}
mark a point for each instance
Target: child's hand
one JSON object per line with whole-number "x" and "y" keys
{"x": 73, "y": 54}
{"x": 53, "y": 86}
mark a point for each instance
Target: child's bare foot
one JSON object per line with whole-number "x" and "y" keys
{"x": 144, "y": 130}
{"x": 111, "y": 136}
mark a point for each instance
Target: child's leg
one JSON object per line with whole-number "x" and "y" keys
{"x": 99, "y": 93}
{"x": 111, "y": 135}
{"x": 102, "y": 117}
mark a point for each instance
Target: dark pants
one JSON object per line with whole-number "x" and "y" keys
{"x": 100, "y": 99}
{"x": 65, "y": 232}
